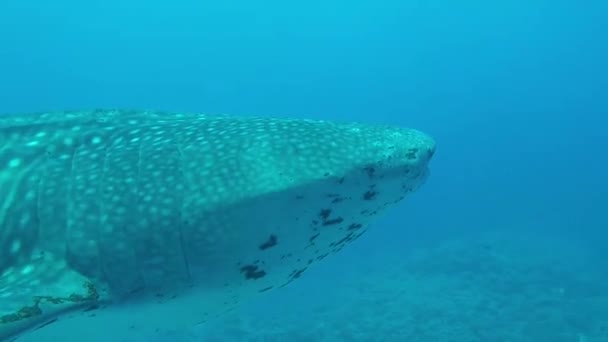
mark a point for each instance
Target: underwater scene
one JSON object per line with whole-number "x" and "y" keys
{"x": 388, "y": 170}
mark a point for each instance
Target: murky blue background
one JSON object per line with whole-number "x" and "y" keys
{"x": 508, "y": 239}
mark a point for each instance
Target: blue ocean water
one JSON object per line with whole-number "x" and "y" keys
{"x": 508, "y": 239}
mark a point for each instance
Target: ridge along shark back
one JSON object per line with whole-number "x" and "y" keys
{"x": 114, "y": 223}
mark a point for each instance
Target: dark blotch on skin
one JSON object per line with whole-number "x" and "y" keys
{"x": 347, "y": 238}
{"x": 370, "y": 171}
{"x": 271, "y": 242}
{"x": 312, "y": 238}
{"x": 265, "y": 289}
{"x": 297, "y": 273}
{"x": 355, "y": 226}
{"x": 369, "y": 195}
{"x": 324, "y": 214}
{"x": 287, "y": 283}
{"x": 252, "y": 272}
{"x": 46, "y": 324}
{"x": 336, "y": 198}
{"x": 333, "y": 221}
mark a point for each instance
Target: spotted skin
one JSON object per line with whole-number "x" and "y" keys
{"x": 145, "y": 222}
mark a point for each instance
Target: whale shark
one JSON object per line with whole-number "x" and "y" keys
{"x": 115, "y": 223}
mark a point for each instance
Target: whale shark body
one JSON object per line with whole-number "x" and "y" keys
{"x": 119, "y": 222}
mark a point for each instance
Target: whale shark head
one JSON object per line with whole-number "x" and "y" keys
{"x": 145, "y": 222}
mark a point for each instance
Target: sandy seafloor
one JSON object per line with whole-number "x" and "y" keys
{"x": 495, "y": 287}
